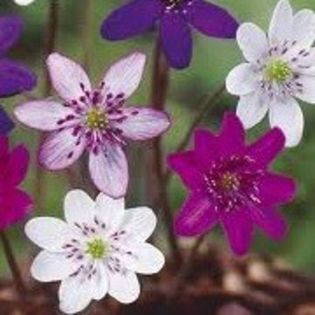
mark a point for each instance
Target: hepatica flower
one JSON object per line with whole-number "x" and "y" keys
{"x": 230, "y": 183}
{"x": 97, "y": 251}
{"x": 175, "y": 19}
{"x": 280, "y": 67}
{"x": 15, "y": 204}
{"x": 93, "y": 119}
{"x": 14, "y": 77}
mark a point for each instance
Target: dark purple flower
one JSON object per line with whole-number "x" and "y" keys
{"x": 231, "y": 184}
{"x": 6, "y": 123}
{"x": 14, "y": 77}
{"x": 175, "y": 18}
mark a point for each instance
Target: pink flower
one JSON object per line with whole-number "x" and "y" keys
{"x": 95, "y": 120}
{"x": 15, "y": 204}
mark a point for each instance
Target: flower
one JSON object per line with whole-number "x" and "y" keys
{"x": 23, "y": 2}
{"x": 14, "y": 77}
{"x": 230, "y": 184}
{"x": 6, "y": 124}
{"x": 98, "y": 250}
{"x": 175, "y": 18}
{"x": 279, "y": 68}
{"x": 15, "y": 204}
{"x": 96, "y": 120}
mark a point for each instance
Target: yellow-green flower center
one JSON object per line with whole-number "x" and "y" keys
{"x": 278, "y": 71}
{"x": 96, "y": 119}
{"x": 229, "y": 182}
{"x": 97, "y": 248}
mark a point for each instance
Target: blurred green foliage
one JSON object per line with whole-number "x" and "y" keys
{"x": 211, "y": 63}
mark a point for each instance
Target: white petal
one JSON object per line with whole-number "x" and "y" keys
{"x": 143, "y": 123}
{"x": 252, "y": 41}
{"x": 67, "y": 77}
{"x": 61, "y": 149}
{"x": 111, "y": 211}
{"x": 125, "y": 75}
{"x": 139, "y": 223}
{"x": 75, "y": 295}
{"x": 288, "y": 116}
{"x": 109, "y": 170}
{"x": 44, "y": 115}
{"x": 280, "y": 28}
{"x": 124, "y": 287}
{"x": 251, "y": 109}
{"x": 241, "y": 80}
{"x": 48, "y": 267}
{"x": 145, "y": 259}
{"x": 79, "y": 207}
{"x": 48, "y": 233}
{"x": 303, "y": 29}
{"x": 101, "y": 282}
{"x": 308, "y": 89}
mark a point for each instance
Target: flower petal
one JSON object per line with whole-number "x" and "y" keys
{"x": 68, "y": 78}
{"x": 109, "y": 170}
{"x": 10, "y": 31}
{"x": 101, "y": 282}
{"x": 124, "y": 287}
{"x": 304, "y": 27}
{"x": 61, "y": 149}
{"x": 15, "y": 78}
{"x": 48, "y": 267}
{"x": 79, "y": 207}
{"x": 196, "y": 216}
{"x": 45, "y": 115}
{"x": 18, "y": 165}
{"x": 252, "y": 41}
{"x": 241, "y": 80}
{"x": 125, "y": 75}
{"x": 134, "y": 18}
{"x": 251, "y": 109}
{"x": 176, "y": 40}
{"x": 211, "y": 19}
{"x": 6, "y": 124}
{"x": 288, "y": 116}
{"x": 48, "y": 233}
{"x": 143, "y": 123}
{"x": 307, "y": 93}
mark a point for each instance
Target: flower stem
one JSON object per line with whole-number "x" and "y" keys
{"x": 19, "y": 283}
{"x": 155, "y": 158}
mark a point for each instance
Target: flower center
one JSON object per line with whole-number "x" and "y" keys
{"x": 97, "y": 248}
{"x": 278, "y": 71}
{"x": 96, "y": 119}
{"x": 229, "y": 182}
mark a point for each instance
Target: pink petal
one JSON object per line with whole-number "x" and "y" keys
{"x": 4, "y": 146}
{"x": 18, "y": 165}
{"x": 196, "y": 217}
{"x": 68, "y": 78}
{"x": 109, "y": 170}
{"x": 61, "y": 149}
{"x": 45, "y": 115}
{"x": 125, "y": 75}
{"x": 143, "y": 123}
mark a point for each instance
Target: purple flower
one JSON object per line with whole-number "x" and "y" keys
{"x": 96, "y": 120}
{"x": 6, "y": 124}
{"x": 175, "y": 18}
{"x": 14, "y": 77}
{"x": 231, "y": 184}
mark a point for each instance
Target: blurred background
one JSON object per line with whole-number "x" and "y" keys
{"x": 212, "y": 61}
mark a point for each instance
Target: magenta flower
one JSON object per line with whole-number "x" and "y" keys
{"x": 95, "y": 120}
{"x": 231, "y": 184}
{"x": 15, "y": 204}
{"x": 175, "y": 19}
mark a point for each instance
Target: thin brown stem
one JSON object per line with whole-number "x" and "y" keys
{"x": 205, "y": 107}
{"x": 18, "y": 280}
{"x": 155, "y": 158}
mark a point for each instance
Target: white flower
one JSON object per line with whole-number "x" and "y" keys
{"x": 23, "y": 2}
{"x": 280, "y": 67}
{"x": 98, "y": 250}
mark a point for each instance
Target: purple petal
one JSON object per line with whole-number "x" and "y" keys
{"x": 132, "y": 19}
{"x": 109, "y": 170}
{"x": 196, "y": 217}
{"x": 176, "y": 40}
{"x": 238, "y": 229}
{"x": 18, "y": 165}
{"x": 6, "y": 124}
{"x": 276, "y": 189}
{"x": 143, "y": 123}
{"x": 271, "y": 222}
{"x": 212, "y": 20}
{"x": 61, "y": 149}
{"x": 267, "y": 147}
{"x": 11, "y": 28}
{"x": 15, "y": 78}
